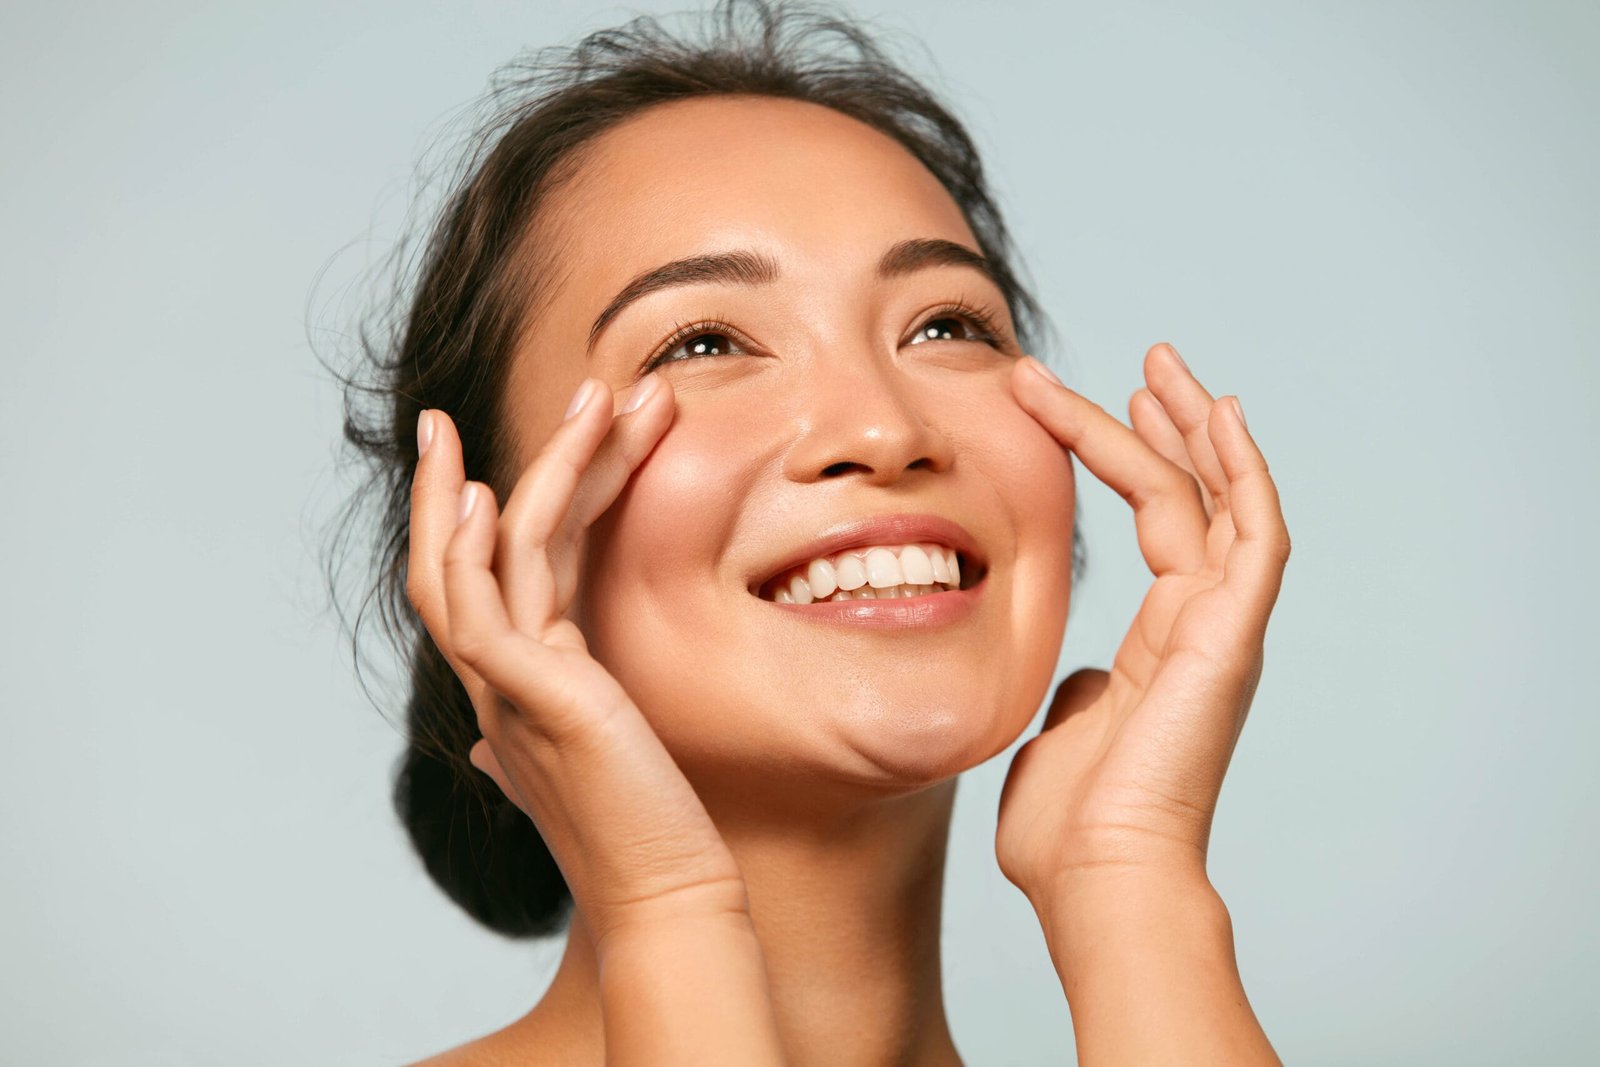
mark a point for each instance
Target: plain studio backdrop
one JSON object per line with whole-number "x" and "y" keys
{"x": 1375, "y": 222}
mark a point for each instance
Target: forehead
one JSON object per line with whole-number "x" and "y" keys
{"x": 821, "y": 192}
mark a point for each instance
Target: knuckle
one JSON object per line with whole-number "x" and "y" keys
{"x": 473, "y": 646}
{"x": 455, "y": 562}
{"x": 1179, "y": 484}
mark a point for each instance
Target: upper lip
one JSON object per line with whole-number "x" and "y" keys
{"x": 897, "y": 529}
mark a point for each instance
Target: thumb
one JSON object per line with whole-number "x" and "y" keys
{"x": 1082, "y": 688}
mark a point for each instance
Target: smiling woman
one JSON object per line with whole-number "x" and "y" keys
{"x": 693, "y": 675}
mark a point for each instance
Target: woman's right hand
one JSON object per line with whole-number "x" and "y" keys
{"x": 560, "y": 736}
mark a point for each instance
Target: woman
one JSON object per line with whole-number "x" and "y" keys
{"x": 738, "y": 524}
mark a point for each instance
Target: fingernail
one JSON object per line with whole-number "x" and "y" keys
{"x": 1239, "y": 411}
{"x": 641, "y": 392}
{"x": 1177, "y": 357}
{"x": 424, "y": 433}
{"x": 1043, "y": 371}
{"x": 469, "y": 496}
{"x": 579, "y": 398}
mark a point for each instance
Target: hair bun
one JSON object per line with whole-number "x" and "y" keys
{"x": 477, "y": 846}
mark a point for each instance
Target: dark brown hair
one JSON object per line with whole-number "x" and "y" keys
{"x": 442, "y": 337}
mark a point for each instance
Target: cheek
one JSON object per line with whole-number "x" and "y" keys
{"x": 650, "y": 556}
{"x": 1029, "y": 470}
{"x": 1032, "y": 478}
{"x": 1044, "y": 486}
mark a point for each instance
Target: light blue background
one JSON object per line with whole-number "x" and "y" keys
{"x": 1375, "y": 222}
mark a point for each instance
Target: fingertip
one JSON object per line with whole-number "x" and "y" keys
{"x": 466, "y": 502}
{"x": 581, "y": 397}
{"x": 1235, "y": 447}
{"x": 641, "y": 394}
{"x": 475, "y": 498}
{"x": 424, "y": 433}
{"x": 437, "y": 442}
{"x": 1032, "y": 387}
{"x": 1036, "y": 365}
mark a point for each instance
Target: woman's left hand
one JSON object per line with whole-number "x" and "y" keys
{"x": 1126, "y": 772}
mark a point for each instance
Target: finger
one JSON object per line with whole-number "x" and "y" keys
{"x": 1188, "y": 405}
{"x": 647, "y": 412}
{"x": 1169, "y": 514}
{"x": 579, "y": 474}
{"x": 481, "y": 631}
{"x": 1254, "y": 566}
{"x": 435, "y": 491}
{"x": 1151, "y": 422}
{"x": 435, "y": 487}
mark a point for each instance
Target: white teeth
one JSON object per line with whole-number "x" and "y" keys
{"x": 916, "y": 566}
{"x": 897, "y": 592}
{"x": 820, "y": 576}
{"x": 883, "y": 569}
{"x": 850, "y": 573}
{"x": 880, "y": 572}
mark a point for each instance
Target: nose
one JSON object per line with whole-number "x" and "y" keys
{"x": 865, "y": 417}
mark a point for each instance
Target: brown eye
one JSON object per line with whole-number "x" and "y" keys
{"x": 698, "y": 345}
{"x": 969, "y": 325}
{"x": 935, "y": 330}
{"x": 693, "y": 341}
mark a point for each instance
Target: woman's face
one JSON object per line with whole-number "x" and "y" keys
{"x": 829, "y": 395}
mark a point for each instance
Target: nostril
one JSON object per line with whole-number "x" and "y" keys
{"x": 833, "y": 469}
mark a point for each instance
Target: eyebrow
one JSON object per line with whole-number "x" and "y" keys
{"x": 742, "y": 267}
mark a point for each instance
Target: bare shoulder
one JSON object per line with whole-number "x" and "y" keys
{"x": 510, "y": 1047}
{"x": 489, "y": 1051}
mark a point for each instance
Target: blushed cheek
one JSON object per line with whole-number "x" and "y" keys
{"x": 1044, "y": 536}
{"x": 1025, "y": 464}
{"x": 1034, "y": 478}
{"x": 652, "y": 548}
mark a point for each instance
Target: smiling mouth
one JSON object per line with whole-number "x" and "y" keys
{"x": 875, "y": 572}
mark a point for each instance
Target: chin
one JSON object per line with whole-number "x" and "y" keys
{"x": 916, "y": 743}
{"x": 903, "y": 742}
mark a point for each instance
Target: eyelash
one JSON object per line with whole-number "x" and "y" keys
{"x": 984, "y": 321}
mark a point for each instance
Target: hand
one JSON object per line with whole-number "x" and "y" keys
{"x": 1125, "y": 774}
{"x": 560, "y": 736}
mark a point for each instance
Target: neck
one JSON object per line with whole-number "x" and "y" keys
{"x": 847, "y": 909}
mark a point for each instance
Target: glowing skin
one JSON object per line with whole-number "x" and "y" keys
{"x": 754, "y": 828}
{"x": 826, "y": 753}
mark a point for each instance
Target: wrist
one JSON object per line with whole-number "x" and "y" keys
{"x": 1087, "y": 915}
{"x": 1146, "y": 960}
{"x": 690, "y": 990}
{"x": 720, "y": 905}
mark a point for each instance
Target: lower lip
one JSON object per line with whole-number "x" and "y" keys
{"x": 913, "y": 613}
